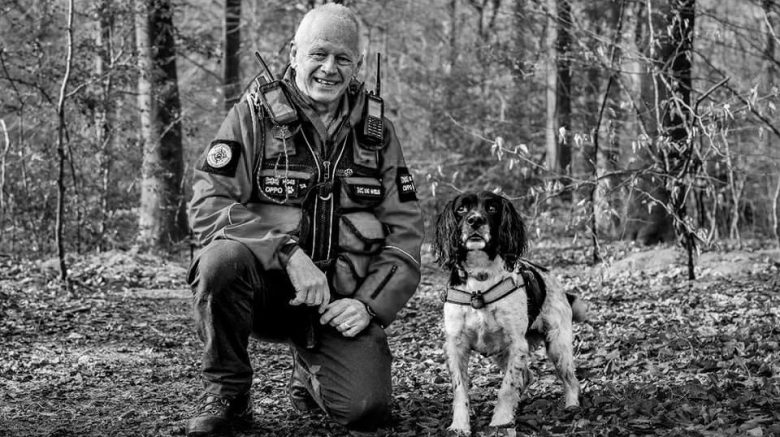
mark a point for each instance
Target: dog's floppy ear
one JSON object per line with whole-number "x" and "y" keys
{"x": 511, "y": 234}
{"x": 445, "y": 242}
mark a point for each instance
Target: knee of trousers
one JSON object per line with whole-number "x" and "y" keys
{"x": 365, "y": 412}
{"x": 224, "y": 265}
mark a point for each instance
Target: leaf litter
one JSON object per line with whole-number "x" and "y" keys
{"x": 118, "y": 354}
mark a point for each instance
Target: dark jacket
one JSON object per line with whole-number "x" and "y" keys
{"x": 350, "y": 206}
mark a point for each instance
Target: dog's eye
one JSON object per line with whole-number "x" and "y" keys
{"x": 460, "y": 210}
{"x": 492, "y": 209}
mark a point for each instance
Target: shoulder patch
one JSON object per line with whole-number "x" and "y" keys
{"x": 222, "y": 158}
{"x": 406, "y": 190}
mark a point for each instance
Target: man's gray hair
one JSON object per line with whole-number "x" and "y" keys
{"x": 336, "y": 10}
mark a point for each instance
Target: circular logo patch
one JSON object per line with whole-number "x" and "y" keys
{"x": 219, "y": 155}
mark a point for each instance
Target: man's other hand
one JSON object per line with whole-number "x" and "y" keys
{"x": 348, "y": 316}
{"x": 309, "y": 282}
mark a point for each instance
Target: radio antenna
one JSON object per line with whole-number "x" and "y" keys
{"x": 378, "y": 73}
{"x": 266, "y": 72}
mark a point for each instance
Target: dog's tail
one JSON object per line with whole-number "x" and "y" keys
{"x": 579, "y": 311}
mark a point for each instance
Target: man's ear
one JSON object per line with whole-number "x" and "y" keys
{"x": 359, "y": 65}
{"x": 293, "y": 53}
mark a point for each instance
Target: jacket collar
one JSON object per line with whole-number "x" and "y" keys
{"x": 351, "y": 106}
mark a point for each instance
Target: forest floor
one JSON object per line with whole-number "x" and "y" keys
{"x": 659, "y": 356}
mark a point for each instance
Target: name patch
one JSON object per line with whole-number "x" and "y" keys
{"x": 281, "y": 187}
{"x": 406, "y": 189}
{"x": 369, "y": 191}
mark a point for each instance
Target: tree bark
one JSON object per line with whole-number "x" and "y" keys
{"x": 161, "y": 216}
{"x": 772, "y": 24}
{"x": 6, "y": 149}
{"x": 61, "y": 150}
{"x": 563, "y": 67}
{"x": 551, "y": 89}
{"x": 105, "y": 111}
{"x": 231, "y": 60}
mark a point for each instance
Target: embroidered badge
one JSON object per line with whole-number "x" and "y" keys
{"x": 282, "y": 132}
{"x": 222, "y": 158}
{"x": 406, "y": 189}
{"x": 219, "y": 155}
{"x": 366, "y": 191}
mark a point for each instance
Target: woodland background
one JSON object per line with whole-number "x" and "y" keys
{"x": 635, "y": 137}
{"x": 640, "y": 120}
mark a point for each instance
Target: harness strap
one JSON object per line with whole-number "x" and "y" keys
{"x": 479, "y": 299}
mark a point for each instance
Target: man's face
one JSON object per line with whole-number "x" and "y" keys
{"x": 325, "y": 56}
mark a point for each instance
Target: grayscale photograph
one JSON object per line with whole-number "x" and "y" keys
{"x": 487, "y": 218}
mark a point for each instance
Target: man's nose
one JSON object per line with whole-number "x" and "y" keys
{"x": 329, "y": 64}
{"x": 475, "y": 220}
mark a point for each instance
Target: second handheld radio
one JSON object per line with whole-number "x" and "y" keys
{"x": 374, "y": 111}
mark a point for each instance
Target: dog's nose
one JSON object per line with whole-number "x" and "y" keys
{"x": 475, "y": 220}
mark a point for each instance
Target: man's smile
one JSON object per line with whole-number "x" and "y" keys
{"x": 326, "y": 82}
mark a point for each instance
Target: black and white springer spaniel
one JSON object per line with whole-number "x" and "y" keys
{"x": 496, "y": 303}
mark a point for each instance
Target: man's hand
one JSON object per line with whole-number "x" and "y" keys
{"x": 348, "y": 316}
{"x": 309, "y": 282}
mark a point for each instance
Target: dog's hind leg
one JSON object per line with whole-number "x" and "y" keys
{"x": 514, "y": 382}
{"x": 560, "y": 351}
{"x": 457, "y": 354}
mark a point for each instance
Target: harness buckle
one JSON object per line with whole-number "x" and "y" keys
{"x": 477, "y": 301}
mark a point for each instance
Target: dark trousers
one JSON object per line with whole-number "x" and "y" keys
{"x": 234, "y": 298}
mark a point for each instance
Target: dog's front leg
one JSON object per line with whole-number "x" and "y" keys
{"x": 512, "y": 386}
{"x": 457, "y": 353}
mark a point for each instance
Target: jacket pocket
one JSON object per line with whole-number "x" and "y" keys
{"x": 282, "y": 185}
{"x": 361, "y": 192}
{"x": 360, "y": 232}
{"x": 349, "y": 271}
{"x": 384, "y": 282}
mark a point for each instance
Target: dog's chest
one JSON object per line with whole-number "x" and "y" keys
{"x": 487, "y": 335}
{"x": 489, "y": 330}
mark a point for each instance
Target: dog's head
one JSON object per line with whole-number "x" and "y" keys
{"x": 479, "y": 221}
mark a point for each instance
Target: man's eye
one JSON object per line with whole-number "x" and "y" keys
{"x": 343, "y": 61}
{"x": 318, "y": 55}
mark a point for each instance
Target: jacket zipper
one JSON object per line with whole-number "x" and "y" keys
{"x": 316, "y": 198}
{"x": 323, "y": 239}
{"x": 321, "y": 203}
{"x": 384, "y": 282}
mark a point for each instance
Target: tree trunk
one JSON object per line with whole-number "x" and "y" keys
{"x": 551, "y": 89}
{"x": 666, "y": 95}
{"x": 61, "y": 138}
{"x": 231, "y": 86}
{"x": 679, "y": 119}
{"x": 161, "y": 216}
{"x": 6, "y": 149}
{"x": 105, "y": 110}
{"x": 772, "y": 24}
{"x": 563, "y": 68}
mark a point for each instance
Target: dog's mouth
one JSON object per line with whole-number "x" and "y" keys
{"x": 475, "y": 241}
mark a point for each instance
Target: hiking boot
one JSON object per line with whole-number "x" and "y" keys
{"x": 299, "y": 395}
{"x": 216, "y": 416}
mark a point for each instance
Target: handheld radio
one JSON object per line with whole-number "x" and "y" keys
{"x": 274, "y": 98}
{"x": 373, "y": 111}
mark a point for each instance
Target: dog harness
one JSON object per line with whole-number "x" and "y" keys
{"x": 536, "y": 291}
{"x": 478, "y": 299}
